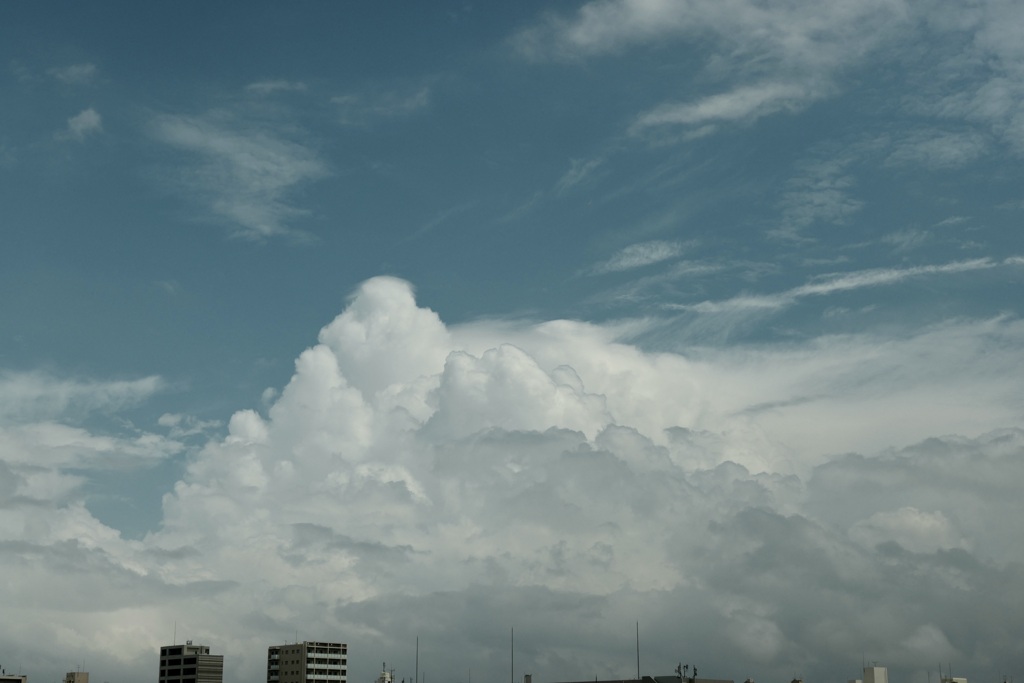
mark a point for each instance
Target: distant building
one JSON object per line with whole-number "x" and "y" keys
{"x": 307, "y": 662}
{"x": 876, "y": 674}
{"x": 12, "y": 678}
{"x": 76, "y": 677}
{"x": 190, "y": 663}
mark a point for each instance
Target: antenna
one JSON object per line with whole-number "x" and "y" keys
{"x": 638, "y": 650}
{"x": 512, "y": 658}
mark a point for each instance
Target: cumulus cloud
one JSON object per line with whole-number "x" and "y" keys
{"x": 917, "y": 531}
{"x": 414, "y": 478}
{"x": 243, "y": 173}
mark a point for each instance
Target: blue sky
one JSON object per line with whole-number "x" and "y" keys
{"x": 406, "y": 293}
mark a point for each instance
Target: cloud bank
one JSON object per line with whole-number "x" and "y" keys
{"x": 758, "y": 510}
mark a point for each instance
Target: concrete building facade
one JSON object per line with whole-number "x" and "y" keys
{"x": 76, "y": 677}
{"x": 308, "y": 662}
{"x": 190, "y": 663}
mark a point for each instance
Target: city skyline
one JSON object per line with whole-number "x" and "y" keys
{"x": 394, "y": 321}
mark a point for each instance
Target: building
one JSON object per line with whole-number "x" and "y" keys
{"x": 12, "y": 678}
{"x": 307, "y": 662}
{"x": 76, "y": 677}
{"x": 190, "y": 663}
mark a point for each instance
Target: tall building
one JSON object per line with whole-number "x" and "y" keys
{"x": 307, "y": 662}
{"x": 190, "y": 663}
{"x": 76, "y": 677}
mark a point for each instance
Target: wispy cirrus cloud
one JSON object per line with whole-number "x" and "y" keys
{"x": 783, "y": 55}
{"x": 743, "y": 103}
{"x": 841, "y": 282}
{"x": 275, "y": 86}
{"x": 241, "y": 173}
{"x": 359, "y": 109}
{"x": 75, "y": 74}
{"x": 826, "y": 34}
{"x": 819, "y": 194}
{"x": 580, "y": 171}
{"x": 39, "y": 396}
{"x": 938, "y": 149}
{"x": 639, "y": 255}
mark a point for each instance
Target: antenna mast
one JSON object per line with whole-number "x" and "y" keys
{"x": 638, "y": 650}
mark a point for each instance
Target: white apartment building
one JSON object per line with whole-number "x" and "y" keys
{"x": 307, "y": 662}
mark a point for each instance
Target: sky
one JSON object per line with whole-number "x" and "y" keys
{"x": 688, "y": 331}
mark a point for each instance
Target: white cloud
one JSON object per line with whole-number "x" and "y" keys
{"x": 979, "y": 78}
{"x": 83, "y": 124}
{"x": 938, "y": 149}
{"x": 419, "y": 479}
{"x": 916, "y": 530}
{"x": 639, "y": 255}
{"x": 820, "y": 194}
{"x": 359, "y": 109}
{"x": 842, "y": 282}
{"x": 29, "y": 396}
{"x": 743, "y": 103}
{"x": 831, "y": 32}
{"x": 579, "y": 172}
{"x": 75, "y": 74}
{"x": 786, "y": 54}
{"x": 244, "y": 172}
{"x": 271, "y": 87}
